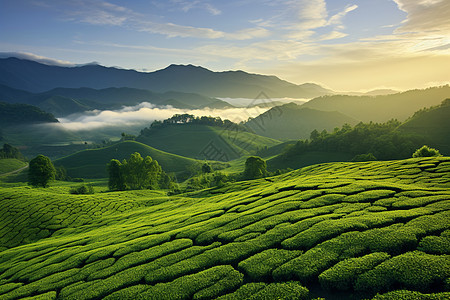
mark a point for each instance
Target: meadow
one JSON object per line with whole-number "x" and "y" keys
{"x": 367, "y": 230}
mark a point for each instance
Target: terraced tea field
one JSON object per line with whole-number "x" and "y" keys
{"x": 357, "y": 229}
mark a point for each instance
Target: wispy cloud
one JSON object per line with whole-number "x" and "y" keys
{"x": 41, "y": 59}
{"x": 99, "y": 12}
{"x": 425, "y": 16}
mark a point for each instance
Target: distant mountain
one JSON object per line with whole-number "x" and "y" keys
{"x": 36, "y": 77}
{"x": 65, "y": 101}
{"x": 20, "y": 114}
{"x": 433, "y": 124}
{"x": 292, "y": 121}
{"x": 381, "y": 108}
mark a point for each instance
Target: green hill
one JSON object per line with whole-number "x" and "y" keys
{"x": 382, "y": 108}
{"x": 92, "y": 163}
{"x": 347, "y": 229}
{"x": 205, "y": 142}
{"x": 292, "y": 121}
{"x": 8, "y": 165}
{"x": 433, "y": 124}
{"x": 19, "y": 114}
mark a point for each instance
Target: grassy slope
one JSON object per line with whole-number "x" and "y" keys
{"x": 10, "y": 164}
{"x": 191, "y": 141}
{"x": 306, "y": 159}
{"x": 370, "y": 227}
{"x": 92, "y": 163}
{"x": 434, "y": 125}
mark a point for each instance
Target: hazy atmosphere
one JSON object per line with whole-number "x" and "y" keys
{"x": 343, "y": 45}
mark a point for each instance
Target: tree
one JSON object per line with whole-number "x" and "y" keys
{"x": 137, "y": 173}
{"x": 426, "y": 151}
{"x": 206, "y": 168}
{"x": 41, "y": 171}
{"x": 116, "y": 181}
{"x": 255, "y": 167}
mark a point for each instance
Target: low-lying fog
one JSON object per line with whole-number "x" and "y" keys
{"x": 131, "y": 119}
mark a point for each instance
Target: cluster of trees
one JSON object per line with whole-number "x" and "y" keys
{"x": 183, "y": 119}
{"x": 9, "y": 151}
{"x": 380, "y": 140}
{"x": 137, "y": 173}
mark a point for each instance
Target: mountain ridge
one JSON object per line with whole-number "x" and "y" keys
{"x": 36, "y": 77}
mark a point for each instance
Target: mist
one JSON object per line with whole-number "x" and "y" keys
{"x": 135, "y": 118}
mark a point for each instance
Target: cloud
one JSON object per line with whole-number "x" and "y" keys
{"x": 425, "y": 16}
{"x": 187, "y": 6}
{"x": 41, "y": 59}
{"x": 312, "y": 14}
{"x": 337, "y": 18}
{"x": 98, "y": 12}
{"x": 145, "y": 113}
{"x": 332, "y": 36}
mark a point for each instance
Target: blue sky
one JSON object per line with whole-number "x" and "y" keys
{"x": 341, "y": 44}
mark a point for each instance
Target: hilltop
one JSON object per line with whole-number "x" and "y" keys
{"x": 36, "y": 77}
{"x": 382, "y": 108}
{"x": 203, "y": 138}
{"x": 344, "y": 229}
{"x": 20, "y": 114}
{"x": 291, "y": 121}
{"x": 92, "y": 163}
{"x": 433, "y": 124}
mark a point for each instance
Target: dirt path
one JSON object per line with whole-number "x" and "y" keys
{"x": 13, "y": 172}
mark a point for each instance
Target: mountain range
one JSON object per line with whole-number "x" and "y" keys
{"x": 36, "y": 77}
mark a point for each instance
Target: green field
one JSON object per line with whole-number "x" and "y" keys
{"x": 355, "y": 229}
{"x": 92, "y": 163}
{"x": 210, "y": 142}
{"x": 10, "y": 165}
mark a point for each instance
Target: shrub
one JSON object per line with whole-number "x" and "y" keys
{"x": 426, "y": 151}
{"x": 411, "y": 295}
{"x": 415, "y": 270}
{"x": 343, "y": 275}
{"x": 84, "y": 189}
{"x": 260, "y": 265}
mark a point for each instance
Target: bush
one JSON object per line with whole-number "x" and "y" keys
{"x": 426, "y": 151}
{"x": 415, "y": 270}
{"x": 343, "y": 275}
{"x": 84, "y": 189}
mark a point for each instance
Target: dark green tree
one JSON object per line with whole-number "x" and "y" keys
{"x": 255, "y": 167}
{"x": 426, "y": 151}
{"x": 116, "y": 181}
{"x": 41, "y": 171}
{"x": 206, "y": 168}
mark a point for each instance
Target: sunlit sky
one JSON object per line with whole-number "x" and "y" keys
{"x": 345, "y": 45}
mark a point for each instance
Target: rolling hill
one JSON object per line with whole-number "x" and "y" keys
{"x": 291, "y": 121}
{"x": 433, "y": 124}
{"x": 205, "y": 142}
{"x": 35, "y": 77}
{"x": 20, "y": 114}
{"x": 398, "y": 106}
{"x": 348, "y": 230}
{"x": 92, "y": 163}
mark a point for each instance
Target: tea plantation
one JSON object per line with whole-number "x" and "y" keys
{"x": 371, "y": 230}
